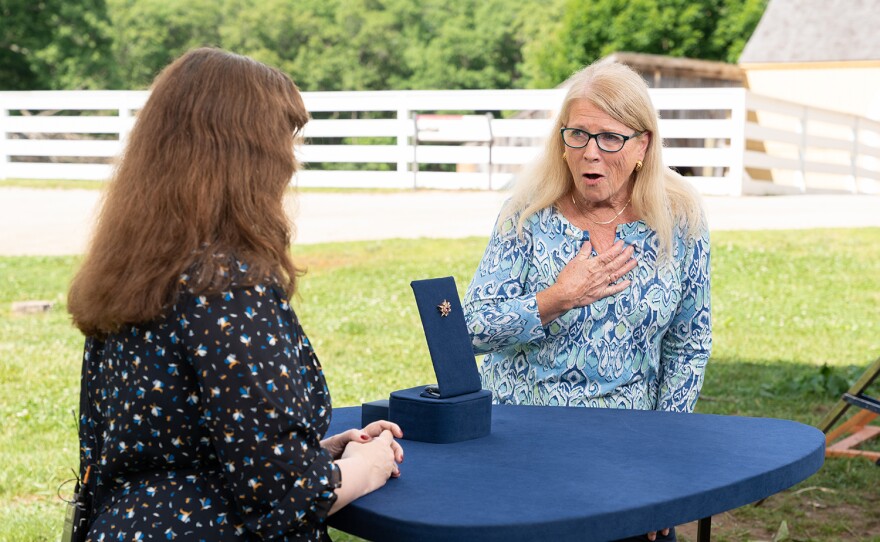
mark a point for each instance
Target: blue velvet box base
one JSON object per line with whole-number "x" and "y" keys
{"x": 374, "y": 411}
{"x": 450, "y": 419}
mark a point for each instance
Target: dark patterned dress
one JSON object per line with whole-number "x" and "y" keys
{"x": 206, "y": 424}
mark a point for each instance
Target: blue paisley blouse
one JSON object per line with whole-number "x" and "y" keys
{"x": 644, "y": 348}
{"x": 206, "y": 424}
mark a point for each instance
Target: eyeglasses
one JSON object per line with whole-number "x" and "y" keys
{"x": 607, "y": 141}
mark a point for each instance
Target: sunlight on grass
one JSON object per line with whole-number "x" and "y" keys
{"x": 72, "y": 184}
{"x": 52, "y": 184}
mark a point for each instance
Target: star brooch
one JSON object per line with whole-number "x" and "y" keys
{"x": 445, "y": 308}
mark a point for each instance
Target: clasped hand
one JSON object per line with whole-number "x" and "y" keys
{"x": 379, "y": 433}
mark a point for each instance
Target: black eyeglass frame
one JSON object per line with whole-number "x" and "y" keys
{"x": 596, "y": 137}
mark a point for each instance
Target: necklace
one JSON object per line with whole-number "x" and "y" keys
{"x": 581, "y": 211}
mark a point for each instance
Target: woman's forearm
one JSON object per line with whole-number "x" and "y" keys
{"x": 503, "y": 323}
{"x": 551, "y": 305}
{"x": 354, "y": 482}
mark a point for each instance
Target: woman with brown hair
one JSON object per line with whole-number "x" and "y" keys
{"x": 203, "y": 405}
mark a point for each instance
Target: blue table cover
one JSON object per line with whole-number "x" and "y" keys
{"x": 557, "y": 473}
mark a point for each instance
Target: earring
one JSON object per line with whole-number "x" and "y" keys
{"x": 564, "y": 155}
{"x": 638, "y": 165}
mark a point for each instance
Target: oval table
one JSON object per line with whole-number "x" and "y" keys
{"x": 557, "y": 473}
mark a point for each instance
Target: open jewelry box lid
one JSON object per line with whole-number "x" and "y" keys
{"x": 449, "y": 342}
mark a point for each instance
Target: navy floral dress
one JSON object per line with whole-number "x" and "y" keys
{"x": 206, "y": 424}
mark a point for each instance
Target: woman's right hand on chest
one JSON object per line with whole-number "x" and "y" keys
{"x": 587, "y": 279}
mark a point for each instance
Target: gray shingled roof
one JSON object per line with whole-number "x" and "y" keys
{"x": 816, "y": 31}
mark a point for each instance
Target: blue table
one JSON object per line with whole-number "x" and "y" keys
{"x": 554, "y": 473}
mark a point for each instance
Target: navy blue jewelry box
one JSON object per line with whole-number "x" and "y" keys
{"x": 456, "y": 409}
{"x": 441, "y": 420}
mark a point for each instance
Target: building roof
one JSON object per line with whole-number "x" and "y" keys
{"x": 796, "y": 31}
{"x": 686, "y": 68}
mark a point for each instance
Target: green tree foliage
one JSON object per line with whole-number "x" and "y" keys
{"x": 736, "y": 27}
{"x": 326, "y": 44}
{"x": 280, "y": 33}
{"x": 587, "y": 31}
{"x": 54, "y": 44}
{"x": 468, "y": 44}
{"x": 148, "y": 34}
{"x": 382, "y": 44}
{"x": 359, "y": 44}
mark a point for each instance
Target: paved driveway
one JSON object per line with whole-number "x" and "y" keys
{"x": 55, "y": 222}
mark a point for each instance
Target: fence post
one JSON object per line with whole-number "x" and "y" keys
{"x": 4, "y": 157}
{"x": 854, "y": 156}
{"x": 403, "y": 126}
{"x": 124, "y": 114}
{"x": 801, "y": 174}
{"x": 738, "y": 117}
{"x": 489, "y": 118}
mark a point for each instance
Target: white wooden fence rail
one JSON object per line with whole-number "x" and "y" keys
{"x": 727, "y": 140}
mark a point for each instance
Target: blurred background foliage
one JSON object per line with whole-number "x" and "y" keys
{"x": 359, "y": 44}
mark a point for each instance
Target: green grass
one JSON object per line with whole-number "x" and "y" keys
{"x": 796, "y": 320}
{"x": 52, "y": 184}
{"x": 71, "y": 184}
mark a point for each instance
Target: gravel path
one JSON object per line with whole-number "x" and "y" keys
{"x": 57, "y": 222}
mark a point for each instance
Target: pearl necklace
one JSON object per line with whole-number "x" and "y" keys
{"x": 581, "y": 211}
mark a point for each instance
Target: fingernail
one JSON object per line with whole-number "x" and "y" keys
{"x": 364, "y": 437}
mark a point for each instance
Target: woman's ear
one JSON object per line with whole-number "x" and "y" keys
{"x": 645, "y": 140}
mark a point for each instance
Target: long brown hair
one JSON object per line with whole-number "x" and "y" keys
{"x": 199, "y": 185}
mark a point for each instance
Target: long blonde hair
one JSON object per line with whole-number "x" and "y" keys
{"x": 199, "y": 185}
{"x": 661, "y": 197}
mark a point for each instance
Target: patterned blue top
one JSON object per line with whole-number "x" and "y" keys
{"x": 205, "y": 424}
{"x": 644, "y": 348}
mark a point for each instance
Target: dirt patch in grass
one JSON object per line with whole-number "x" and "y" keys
{"x": 808, "y": 516}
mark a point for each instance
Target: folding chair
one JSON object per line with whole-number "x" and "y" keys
{"x": 856, "y": 427}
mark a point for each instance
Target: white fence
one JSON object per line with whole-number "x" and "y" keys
{"x": 727, "y": 140}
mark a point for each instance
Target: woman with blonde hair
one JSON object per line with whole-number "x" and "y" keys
{"x": 594, "y": 288}
{"x": 203, "y": 405}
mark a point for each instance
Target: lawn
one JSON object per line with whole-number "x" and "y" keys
{"x": 796, "y": 320}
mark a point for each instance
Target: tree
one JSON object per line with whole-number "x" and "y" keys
{"x": 149, "y": 34}
{"x": 274, "y": 31}
{"x": 54, "y": 44}
{"x": 736, "y": 26}
{"x": 359, "y": 44}
{"x": 382, "y": 44}
{"x": 704, "y": 29}
{"x": 325, "y": 44}
{"x": 468, "y": 44}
